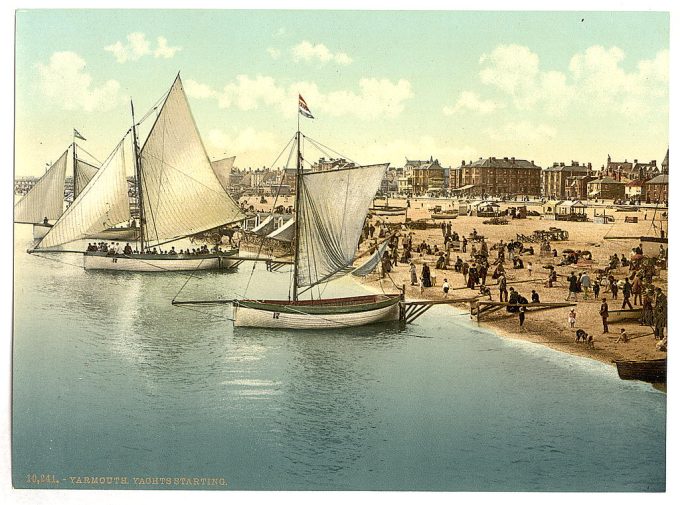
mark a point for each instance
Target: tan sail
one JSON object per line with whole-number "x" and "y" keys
{"x": 102, "y": 203}
{"x": 46, "y": 198}
{"x": 83, "y": 173}
{"x": 180, "y": 193}
{"x": 222, "y": 169}
{"x": 333, "y": 206}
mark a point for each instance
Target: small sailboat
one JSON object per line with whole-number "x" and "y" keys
{"x": 44, "y": 203}
{"x": 178, "y": 195}
{"x": 330, "y": 209}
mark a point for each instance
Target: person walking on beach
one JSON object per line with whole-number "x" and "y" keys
{"x": 464, "y": 244}
{"x": 585, "y": 285}
{"x": 445, "y": 288}
{"x": 521, "y": 311}
{"x": 573, "y": 286}
{"x": 530, "y": 267}
{"x": 503, "y": 288}
{"x": 636, "y": 289}
{"x": 572, "y": 318}
{"x": 604, "y": 313}
{"x": 613, "y": 287}
{"x": 414, "y": 274}
{"x": 596, "y": 289}
{"x": 626, "y": 294}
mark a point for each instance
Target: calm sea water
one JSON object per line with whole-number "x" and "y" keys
{"x": 111, "y": 380}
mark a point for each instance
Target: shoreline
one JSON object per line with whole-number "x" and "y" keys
{"x": 549, "y": 327}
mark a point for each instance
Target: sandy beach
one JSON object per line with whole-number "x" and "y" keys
{"x": 547, "y": 327}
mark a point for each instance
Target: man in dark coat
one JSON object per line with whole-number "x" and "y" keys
{"x": 660, "y": 314}
{"x": 604, "y": 313}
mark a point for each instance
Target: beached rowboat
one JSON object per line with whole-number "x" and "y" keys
{"x": 651, "y": 370}
{"x": 618, "y": 315}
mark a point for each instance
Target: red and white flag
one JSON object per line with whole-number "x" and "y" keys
{"x": 303, "y": 109}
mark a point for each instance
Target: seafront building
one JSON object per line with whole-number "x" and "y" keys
{"x": 606, "y": 188}
{"x": 656, "y": 190}
{"x": 422, "y": 177}
{"x": 496, "y": 176}
{"x": 556, "y": 178}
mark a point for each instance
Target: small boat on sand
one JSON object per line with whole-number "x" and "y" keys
{"x": 650, "y": 370}
{"x": 619, "y": 315}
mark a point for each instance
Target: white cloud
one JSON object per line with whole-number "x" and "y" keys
{"x": 163, "y": 50}
{"x": 274, "y": 53}
{"x": 599, "y": 76}
{"x": 522, "y": 131}
{"x": 137, "y": 46}
{"x": 64, "y": 80}
{"x": 197, "y": 90}
{"x": 375, "y": 97}
{"x": 247, "y": 93}
{"x": 253, "y": 147}
{"x": 594, "y": 82}
{"x": 471, "y": 101}
{"x": 307, "y": 51}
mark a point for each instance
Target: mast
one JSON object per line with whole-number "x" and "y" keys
{"x": 298, "y": 182}
{"x": 138, "y": 180}
{"x": 75, "y": 169}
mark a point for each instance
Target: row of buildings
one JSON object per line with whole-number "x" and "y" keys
{"x": 493, "y": 176}
{"x": 504, "y": 177}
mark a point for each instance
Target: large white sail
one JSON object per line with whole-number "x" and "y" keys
{"x": 102, "y": 204}
{"x": 46, "y": 198}
{"x": 222, "y": 169}
{"x": 83, "y": 173}
{"x": 332, "y": 209}
{"x": 180, "y": 192}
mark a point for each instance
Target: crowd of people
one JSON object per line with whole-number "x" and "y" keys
{"x": 115, "y": 249}
{"x": 478, "y": 263}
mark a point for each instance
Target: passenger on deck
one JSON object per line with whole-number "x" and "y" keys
{"x": 172, "y": 251}
{"x": 128, "y": 249}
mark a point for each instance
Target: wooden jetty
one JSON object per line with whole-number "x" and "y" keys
{"x": 416, "y": 308}
{"x": 481, "y": 307}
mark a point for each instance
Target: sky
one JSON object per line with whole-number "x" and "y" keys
{"x": 382, "y": 85}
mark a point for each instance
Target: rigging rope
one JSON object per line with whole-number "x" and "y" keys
{"x": 271, "y": 213}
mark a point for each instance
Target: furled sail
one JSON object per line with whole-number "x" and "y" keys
{"x": 222, "y": 169}
{"x": 180, "y": 193}
{"x": 333, "y": 206}
{"x": 46, "y": 198}
{"x": 102, "y": 204}
{"x": 369, "y": 265}
{"x": 83, "y": 173}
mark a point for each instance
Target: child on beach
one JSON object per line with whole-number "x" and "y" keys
{"x": 572, "y": 318}
{"x": 445, "y": 288}
{"x": 623, "y": 337}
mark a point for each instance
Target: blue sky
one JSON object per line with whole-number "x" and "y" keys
{"x": 384, "y": 86}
